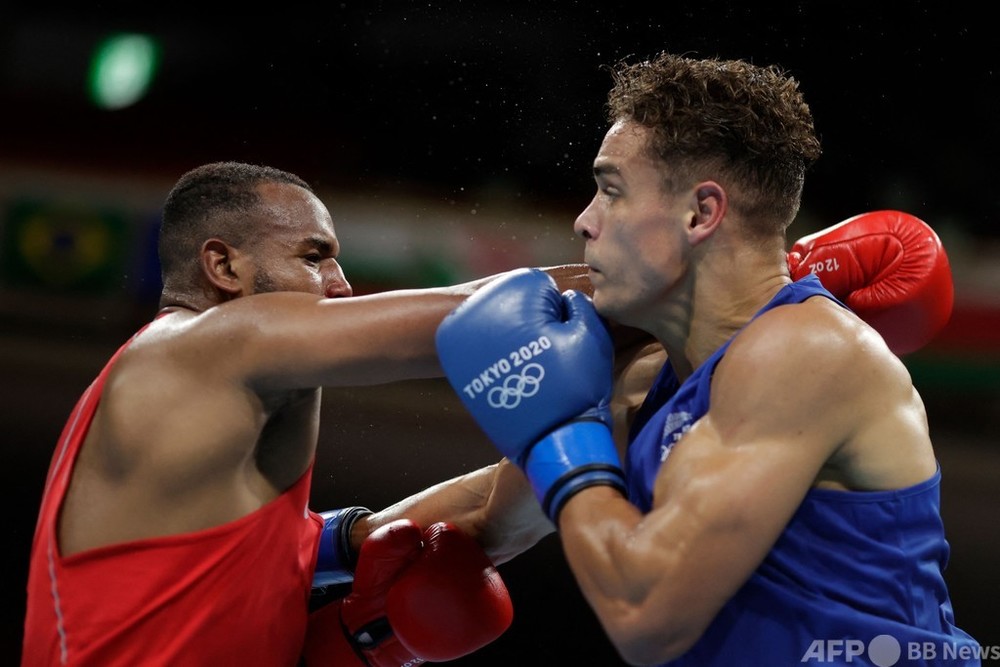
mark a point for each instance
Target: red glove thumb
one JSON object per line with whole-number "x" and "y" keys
{"x": 451, "y": 601}
{"x": 889, "y": 267}
{"x": 355, "y": 631}
{"x": 383, "y": 556}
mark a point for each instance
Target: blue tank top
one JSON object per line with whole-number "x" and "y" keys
{"x": 854, "y": 579}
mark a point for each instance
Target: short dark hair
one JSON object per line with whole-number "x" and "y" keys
{"x": 749, "y": 121}
{"x": 214, "y": 199}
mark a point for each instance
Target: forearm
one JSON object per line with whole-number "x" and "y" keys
{"x": 567, "y": 277}
{"x": 494, "y": 505}
{"x": 624, "y": 574}
{"x": 308, "y": 341}
{"x": 571, "y": 277}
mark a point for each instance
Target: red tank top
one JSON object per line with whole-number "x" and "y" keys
{"x": 235, "y": 594}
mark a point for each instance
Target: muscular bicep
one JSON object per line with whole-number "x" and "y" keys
{"x": 723, "y": 495}
{"x": 721, "y": 501}
{"x": 731, "y": 484}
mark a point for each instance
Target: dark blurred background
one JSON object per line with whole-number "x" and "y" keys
{"x": 452, "y": 140}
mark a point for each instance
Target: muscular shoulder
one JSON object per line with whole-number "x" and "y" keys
{"x": 809, "y": 339}
{"x": 182, "y": 393}
{"x": 230, "y": 339}
{"x": 150, "y": 388}
{"x": 815, "y": 375}
{"x": 812, "y": 362}
{"x": 227, "y": 326}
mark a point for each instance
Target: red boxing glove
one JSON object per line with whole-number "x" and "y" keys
{"x": 417, "y": 597}
{"x": 354, "y": 631}
{"x": 451, "y": 601}
{"x": 889, "y": 267}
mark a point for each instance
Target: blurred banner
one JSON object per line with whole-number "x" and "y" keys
{"x": 63, "y": 249}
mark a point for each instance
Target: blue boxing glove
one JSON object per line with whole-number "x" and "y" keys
{"x": 534, "y": 368}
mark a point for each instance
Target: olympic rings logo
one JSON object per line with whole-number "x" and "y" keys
{"x": 515, "y": 387}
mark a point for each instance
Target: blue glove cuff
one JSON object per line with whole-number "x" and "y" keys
{"x": 336, "y": 560}
{"x": 574, "y": 457}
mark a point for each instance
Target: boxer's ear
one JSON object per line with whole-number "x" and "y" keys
{"x": 707, "y": 211}
{"x": 221, "y": 267}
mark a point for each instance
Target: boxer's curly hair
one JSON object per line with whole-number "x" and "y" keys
{"x": 216, "y": 199}
{"x": 750, "y": 122}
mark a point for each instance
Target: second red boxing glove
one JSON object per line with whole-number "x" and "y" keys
{"x": 889, "y": 267}
{"x": 429, "y": 596}
{"x": 354, "y": 631}
{"x": 451, "y": 601}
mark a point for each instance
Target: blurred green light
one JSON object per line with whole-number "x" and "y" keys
{"x": 121, "y": 70}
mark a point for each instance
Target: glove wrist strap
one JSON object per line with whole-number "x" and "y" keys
{"x": 336, "y": 559}
{"x": 575, "y": 456}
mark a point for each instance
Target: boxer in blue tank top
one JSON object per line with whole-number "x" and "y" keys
{"x": 825, "y": 579}
{"x": 778, "y": 500}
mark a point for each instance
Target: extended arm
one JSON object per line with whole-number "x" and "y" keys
{"x": 493, "y": 504}
{"x": 290, "y": 340}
